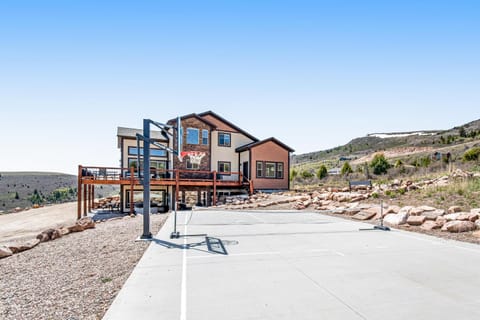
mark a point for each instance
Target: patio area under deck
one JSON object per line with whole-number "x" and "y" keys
{"x": 90, "y": 176}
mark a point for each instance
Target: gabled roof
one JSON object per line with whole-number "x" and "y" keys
{"x": 213, "y": 114}
{"x": 257, "y": 143}
{"x": 196, "y": 116}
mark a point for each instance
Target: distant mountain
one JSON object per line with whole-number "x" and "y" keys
{"x": 22, "y": 189}
{"x": 378, "y": 142}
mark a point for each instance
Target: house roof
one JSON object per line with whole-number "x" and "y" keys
{"x": 213, "y": 114}
{"x": 257, "y": 143}
{"x": 193, "y": 115}
{"x": 132, "y": 133}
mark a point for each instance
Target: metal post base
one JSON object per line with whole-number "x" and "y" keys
{"x": 383, "y": 228}
{"x": 175, "y": 235}
{"x": 146, "y": 236}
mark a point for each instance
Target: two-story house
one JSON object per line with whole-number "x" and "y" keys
{"x": 218, "y": 158}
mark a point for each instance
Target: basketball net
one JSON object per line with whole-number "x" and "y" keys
{"x": 195, "y": 156}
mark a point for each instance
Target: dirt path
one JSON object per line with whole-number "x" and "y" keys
{"x": 27, "y": 224}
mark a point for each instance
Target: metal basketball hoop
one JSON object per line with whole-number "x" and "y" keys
{"x": 194, "y": 156}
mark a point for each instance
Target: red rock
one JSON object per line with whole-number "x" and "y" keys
{"x": 454, "y": 209}
{"x": 459, "y": 226}
{"x": 416, "y": 220}
{"x": 364, "y": 215}
{"x": 24, "y": 247}
{"x": 430, "y": 225}
{"x": 5, "y": 252}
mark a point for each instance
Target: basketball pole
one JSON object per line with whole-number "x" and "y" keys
{"x": 146, "y": 180}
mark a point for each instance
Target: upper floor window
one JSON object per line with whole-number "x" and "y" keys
{"x": 224, "y": 139}
{"x": 205, "y": 137}
{"x": 192, "y": 136}
{"x": 133, "y": 151}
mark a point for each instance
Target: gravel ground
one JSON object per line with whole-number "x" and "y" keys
{"x": 74, "y": 277}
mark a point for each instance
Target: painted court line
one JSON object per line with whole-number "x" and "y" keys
{"x": 183, "y": 303}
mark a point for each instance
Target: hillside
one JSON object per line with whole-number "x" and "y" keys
{"x": 395, "y": 145}
{"x": 23, "y": 189}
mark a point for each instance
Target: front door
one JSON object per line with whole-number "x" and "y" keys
{"x": 245, "y": 170}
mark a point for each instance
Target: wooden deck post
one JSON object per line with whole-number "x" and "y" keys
{"x": 132, "y": 184}
{"x": 92, "y": 197}
{"x": 89, "y": 196}
{"x": 214, "y": 188}
{"x": 79, "y": 192}
{"x": 85, "y": 200}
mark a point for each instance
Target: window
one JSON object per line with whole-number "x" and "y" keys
{"x": 224, "y": 167}
{"x": 205, "y": 137}
{"x": 192, "y": 166}
{"x": 279, "y": 170}
{"x": 133, "y": 151}
{"x": 259, "y": 169}
{"x": 270, "y": 169}
{"x": 154, "y": 164}
{"x": 192, "y": 136}
{"x": 224, "y": 139}
{"x": 156, "y": 197}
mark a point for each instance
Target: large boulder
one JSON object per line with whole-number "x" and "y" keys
{"x": 433, "y": 215}
{"x": 365, "y": 215}
{"x": 25, "y": 246}
{"x": 451, "y": 216}
{"x": 406, "y": 210}
{"x": 416, "y": 220}
{"x": 5, "y": 252}
{"x": 430, "y": 225}
{"x": 477, "y": 211}
{"x": 395, "y": 219}
{"x": 454, "y": 209}
{"x": 392, "y": 209}
{"x": 427, "y": 208}
{"x": 82, "y": 224}
{"x": 459, "y": 226}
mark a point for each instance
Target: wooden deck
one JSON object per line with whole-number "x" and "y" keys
{"x": 89, "y": 176}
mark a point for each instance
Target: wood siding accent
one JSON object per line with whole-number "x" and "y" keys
{"x": 221, "y": 126}
{"x": 269, "y": 152}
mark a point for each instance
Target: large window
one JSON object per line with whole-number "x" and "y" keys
{"x": 271, "y": 170}
{"x": 133, "y": 151}
{"x": 224, "y": 139}
{"x": 157, "y": 197}
{"x": 224, "y": 167}
{"x": 205, "y": 137}
{"x": 154, "y": 164}
{"x": 279, "y": 170}
{"x": 259, "y": 169}
{"x": 192, "y": 136}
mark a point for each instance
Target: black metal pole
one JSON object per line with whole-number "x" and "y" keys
{"x": 146, "y": 180}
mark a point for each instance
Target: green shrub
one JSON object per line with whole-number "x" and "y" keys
{"x": 379, "y": 164}
{"x": 293, "y": 174}
{"x": 346, "y": 168}
{"x": 471, "y": 154}
{"x": 305, "y": 174}
{"x": 322, "y": 172}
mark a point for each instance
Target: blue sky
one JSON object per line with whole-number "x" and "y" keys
{"x": 314, "y": 74}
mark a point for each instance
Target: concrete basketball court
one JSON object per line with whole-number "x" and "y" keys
{"x": 298, "y": 265}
